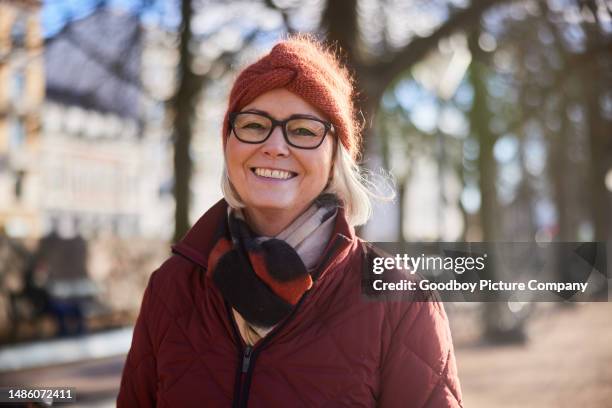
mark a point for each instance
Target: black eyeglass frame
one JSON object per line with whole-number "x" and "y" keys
{"x": 329, "y": 127}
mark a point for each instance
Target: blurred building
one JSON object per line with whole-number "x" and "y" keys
{"x": 85, "y": 142}
{"x": 104, "y": 150}
{"x": 21, "y": 95}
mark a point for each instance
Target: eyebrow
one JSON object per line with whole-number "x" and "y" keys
{"x": 301, "y": 115}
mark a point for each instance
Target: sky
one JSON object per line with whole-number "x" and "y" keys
{"x": 55, "y": 13}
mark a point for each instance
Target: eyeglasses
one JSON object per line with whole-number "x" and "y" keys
{"x": 301, "y": 131}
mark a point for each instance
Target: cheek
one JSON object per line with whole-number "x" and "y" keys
{"x": 329, "y": 161}
{"x": 321, "y": 166}
{"x": 233, "y": 164}
{"x": 326, "y": 171}
{"x": 235, "y": 156}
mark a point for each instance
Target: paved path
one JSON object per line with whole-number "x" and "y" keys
{"x": 76, "y": 349}
{"x": 96, "y": 381}
{"x": 566, "y": 363}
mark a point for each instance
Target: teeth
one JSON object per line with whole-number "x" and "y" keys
{"x": 277, "y": 174}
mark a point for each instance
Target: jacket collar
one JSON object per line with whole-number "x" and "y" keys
{"x": 197, "y": 244}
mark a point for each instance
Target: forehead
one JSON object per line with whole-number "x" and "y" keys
{"x": 281, "y": 103}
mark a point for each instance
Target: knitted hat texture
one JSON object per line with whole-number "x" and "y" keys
{"x": 304, "y": 68}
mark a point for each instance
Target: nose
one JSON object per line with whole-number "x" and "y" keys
{"x": 275, "y": 145}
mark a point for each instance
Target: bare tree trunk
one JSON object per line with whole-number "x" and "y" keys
{"x": 480, "y": 117}
{"x": 402, "y": 197}
{"x": 339, "y": 21}
{"x": 558, "y": 165}
{"x": 500, "y": 326}
{"x": 183, "y": 102}
{"x": 525, "y": 198}
{"x": 459, "y": 169}
{"x": 600, "y": 141}
{"x": 600, "y": 144}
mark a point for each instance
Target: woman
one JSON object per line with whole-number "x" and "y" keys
{"x": 260, "y": 304}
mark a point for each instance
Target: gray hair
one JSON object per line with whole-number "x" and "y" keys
{"x": 349, "y": 183}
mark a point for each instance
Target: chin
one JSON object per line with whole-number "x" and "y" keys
{"x": 270, "y": 203}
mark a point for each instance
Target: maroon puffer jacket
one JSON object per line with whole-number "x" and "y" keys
{"x": 335, "y": 349}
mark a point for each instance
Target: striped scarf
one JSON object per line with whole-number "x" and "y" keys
{"x": 263, "y": 278}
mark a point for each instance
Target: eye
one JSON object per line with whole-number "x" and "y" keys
{"x": 252, "y": 125}
{"x": 250, "y": 122}
{"x": 302, "y": 132}
{"x": 303, "y": 127}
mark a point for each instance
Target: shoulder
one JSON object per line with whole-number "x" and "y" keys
{"x": 171, "y": 286}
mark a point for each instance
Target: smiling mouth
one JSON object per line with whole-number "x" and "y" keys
{"x": 273, "y": 173}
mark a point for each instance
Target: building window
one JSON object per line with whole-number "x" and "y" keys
{"x": 18, "y": 32}
{"x": 19, "y": 179}
{"x": 18, "y": 85}
{"x": 17, "y": 134}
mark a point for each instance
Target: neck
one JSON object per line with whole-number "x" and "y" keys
{"x": 270, "y": 223}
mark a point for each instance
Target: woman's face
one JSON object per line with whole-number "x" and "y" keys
{"x": 308, "y": 170}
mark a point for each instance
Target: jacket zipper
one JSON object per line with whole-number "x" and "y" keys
{"x": 246, "y": 363}
{"x": 249, "y": 353}
{"x": 246, "y": 359}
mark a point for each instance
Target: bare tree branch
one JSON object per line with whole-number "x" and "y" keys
{"x": 419, "y": 47}
{"x": 284, "y": 12}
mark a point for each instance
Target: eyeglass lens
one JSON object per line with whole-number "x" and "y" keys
{"x": 301, "y": 132}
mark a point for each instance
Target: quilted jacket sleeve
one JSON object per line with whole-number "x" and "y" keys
{"x": 139, "y": 379}
{"x": 419, "y": 368}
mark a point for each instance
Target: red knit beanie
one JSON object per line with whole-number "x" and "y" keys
{"x": 302, "y": 66}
